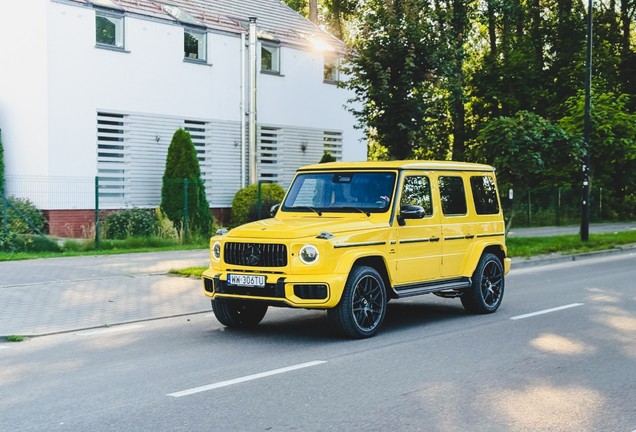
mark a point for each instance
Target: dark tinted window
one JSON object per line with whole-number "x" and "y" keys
{"x": 485, "y": 195}
{"x": 417, "y": 191}
{"x": 452, "y": 195}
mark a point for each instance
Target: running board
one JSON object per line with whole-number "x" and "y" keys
{"x": 402, "y": 291}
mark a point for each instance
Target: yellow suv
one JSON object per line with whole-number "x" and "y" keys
{"x": 349, "y": 237}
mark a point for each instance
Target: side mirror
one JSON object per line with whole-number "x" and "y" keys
{"x": 274, "y": 209}
{"x": 411, "y": 212}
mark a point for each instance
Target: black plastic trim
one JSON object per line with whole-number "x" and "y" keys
{"x": 410, "y": 290}
{"x": 338, "y": 246}
{"x": 491, "y": 235}
{"x": 415, "y": 240}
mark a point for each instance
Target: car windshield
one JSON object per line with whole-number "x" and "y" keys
{"x": 369, "y": 192}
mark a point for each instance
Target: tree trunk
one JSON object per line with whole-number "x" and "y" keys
{"x": 458, "y": 111}
{"x": 313, "y": 11}
{"x": 492, "y": 29}
{"x": 627, "y": 22}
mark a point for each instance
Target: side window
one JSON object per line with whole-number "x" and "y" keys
{"x": 452, "y": 196}
{"x": 484, "y": 195}
{"x": 194, "y": 44}
{"x": 270, "y": 58}
{"x": 109, "y": 30}
{"x": 331, "y": 69}
{"x": 417, "y": 191}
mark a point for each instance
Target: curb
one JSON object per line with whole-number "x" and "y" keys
{"x": 568, "y": 258}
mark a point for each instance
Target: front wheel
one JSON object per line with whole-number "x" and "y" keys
{"x": 486, "y": 292}
{"x": 363, "y": 304}
{"x": 238, "y": 314}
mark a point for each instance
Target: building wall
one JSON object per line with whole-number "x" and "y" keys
{"x": 152, "y": 78}
{"x": 24, "y": 85}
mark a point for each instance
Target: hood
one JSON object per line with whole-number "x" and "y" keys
{"x": 302, "y": 227}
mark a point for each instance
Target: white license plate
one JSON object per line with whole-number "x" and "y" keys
{"x": 246, "y": 280}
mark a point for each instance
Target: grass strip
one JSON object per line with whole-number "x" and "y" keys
{"x": 195, "y": 272}
{"x": 107, "y": 247}
{"x": 567, "y": 244}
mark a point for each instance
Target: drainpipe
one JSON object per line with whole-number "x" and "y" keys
{"x": 242, "y": 107}
{"x": 252, "y": 112}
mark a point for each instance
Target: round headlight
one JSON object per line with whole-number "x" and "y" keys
{"x": 308, "y": 254}
{"x": 216, "y": 251}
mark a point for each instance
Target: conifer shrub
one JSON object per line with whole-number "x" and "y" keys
{"x": 1, "y": 166}
{"x": 134, "y": 222}
{"x": 327, "y": 157}
{"x": 182, "y": 163}
{"x": 244, "y": 204}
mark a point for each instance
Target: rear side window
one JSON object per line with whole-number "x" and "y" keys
{"x": 452, "y": 195}
{"x": 484, "y": 195}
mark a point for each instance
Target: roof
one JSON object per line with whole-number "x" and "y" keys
{"x": 400, "y": 165}
{"x": 273, "y": 16}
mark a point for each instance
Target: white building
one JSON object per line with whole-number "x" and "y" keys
{"x": 97, "y": 88}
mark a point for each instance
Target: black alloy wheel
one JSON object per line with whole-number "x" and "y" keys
{"x": 486, "y": 292}
{"x": 363, "y": 304}
{"x": 239, "y": 314}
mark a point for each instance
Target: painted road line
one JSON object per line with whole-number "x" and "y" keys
{"x": 109, "y": 330}
{"x": 545, "y": 311}
{"x": 245, "y": 378}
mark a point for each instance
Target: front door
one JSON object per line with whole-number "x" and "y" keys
{"x": 418, "y": 246}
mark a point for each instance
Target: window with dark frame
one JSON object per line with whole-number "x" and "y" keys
{"x": 452, "y": 195}
{"x": 484, "y": 195}
{"x": 417, "y": 191}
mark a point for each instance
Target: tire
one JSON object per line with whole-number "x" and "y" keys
{"x": 362, "y": 307}
{"x": 487, "y": 289}
{"x": 238, "y": 314}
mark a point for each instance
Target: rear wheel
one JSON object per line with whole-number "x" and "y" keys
{"x": 238, "y": 314}
{"x": 363, "y": 304}
{"x": 486, "y": 292}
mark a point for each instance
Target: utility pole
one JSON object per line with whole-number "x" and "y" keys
{"x": 585, "y": 217}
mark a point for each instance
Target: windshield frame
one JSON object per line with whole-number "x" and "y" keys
{"x": 350, "y": 207}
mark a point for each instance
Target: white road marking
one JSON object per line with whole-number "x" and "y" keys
{"x": 245, "y": 378}
{"x": 545, "y": 311}
{"x": 210, "y": 315}
{"x": 3, "y": 347}
{"x": 109, "y": 330}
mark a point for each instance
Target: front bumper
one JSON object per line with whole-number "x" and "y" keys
{"x": 507, "y": 264}
{"x": 280, "y": 289}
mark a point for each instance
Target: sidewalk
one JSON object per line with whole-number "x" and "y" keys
{"x": 599, "y": 228}
{"x": 53, "y": 295}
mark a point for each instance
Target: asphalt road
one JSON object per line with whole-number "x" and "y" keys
{"x": 432, "y": 367}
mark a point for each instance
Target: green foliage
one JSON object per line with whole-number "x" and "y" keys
{"x": 1, "y": 165}
{"x": 134, "y": 222}
{"x": 182, "y": 164}
{"x": 244, "y": 204}
{"x": 15, "y": 338}
{"x": 9, "y": 241}
{"x": 17, "y": 224}
{"x": 327, "y": 157}
{"x": 612, "y": 147}
{"x": 567, "y": 244}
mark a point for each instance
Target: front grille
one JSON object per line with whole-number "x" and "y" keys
{"x": 255, "y": 254}
{"x": 275, "y": 290}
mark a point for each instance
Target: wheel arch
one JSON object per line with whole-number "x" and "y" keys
{"x": 378, "y": 263}
{"x": 497, "y": 249}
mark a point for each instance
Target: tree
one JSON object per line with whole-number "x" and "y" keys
{"x": 327, "y": 157}
{"x": 527, "y": 150}
{"x": 182, "y": 164}
{"x": 393, "y": 76}
{"x": 612, "y": 146}
{"x": 1, "y": 165}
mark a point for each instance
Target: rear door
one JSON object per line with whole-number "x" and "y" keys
{"x": 458, "y": 227}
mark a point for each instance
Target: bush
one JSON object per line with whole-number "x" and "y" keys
{"x": 130, "y": 223}
{"x": 9, "y": 241}
{"x": 1, "y": 166}
{"x": 36, "y": 243}
{"x": 327, "y": 157}
{"x": 244, "y": 205}
{"x": 28, "y": 209}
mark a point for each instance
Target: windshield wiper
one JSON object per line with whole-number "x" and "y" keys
{"x": 319, "y": 213}
{"x": 356, "y": 208}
